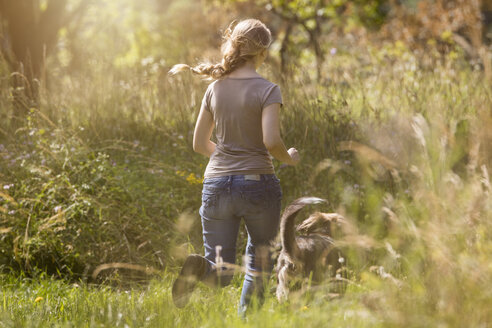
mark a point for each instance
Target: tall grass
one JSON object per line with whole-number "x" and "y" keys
{"x": 47, "y": 302}
{"x": 102, "y": 172}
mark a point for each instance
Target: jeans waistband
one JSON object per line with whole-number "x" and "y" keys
{"x": 243, "y": 177}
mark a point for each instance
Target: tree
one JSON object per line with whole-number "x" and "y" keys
{"x": 307, "y": 15}
{"x": 29, "y": 33}
{"x": 314, "y": 18}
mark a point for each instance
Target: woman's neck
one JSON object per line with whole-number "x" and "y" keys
{"x": 246, "y": 70}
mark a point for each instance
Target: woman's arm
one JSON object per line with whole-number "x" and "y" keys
{"x": 270, "y": 124}
{"x": 203, "y": 131}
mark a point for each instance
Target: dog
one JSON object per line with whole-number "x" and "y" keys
{"x": 313, "y": 253}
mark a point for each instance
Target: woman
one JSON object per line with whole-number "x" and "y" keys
{"x": 240, "y": 181}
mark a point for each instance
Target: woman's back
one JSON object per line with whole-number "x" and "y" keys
{"x": 236, "y": 105}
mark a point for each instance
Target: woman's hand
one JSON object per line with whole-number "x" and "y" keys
{"x": 294, "y": 155}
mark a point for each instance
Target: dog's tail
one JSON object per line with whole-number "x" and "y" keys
{"x": 287, "y": 231}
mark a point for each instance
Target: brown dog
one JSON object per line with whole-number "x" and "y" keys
{"x": 311, "y": 254}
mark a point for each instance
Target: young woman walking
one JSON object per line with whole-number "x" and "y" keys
{"x": 240, "y": 181}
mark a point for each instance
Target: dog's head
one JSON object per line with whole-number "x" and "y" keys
{"x": 329, "y": 224}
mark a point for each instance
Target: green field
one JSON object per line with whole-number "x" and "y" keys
{"x": 102, "y": 171}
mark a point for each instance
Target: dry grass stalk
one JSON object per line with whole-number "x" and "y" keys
{"x": 367, "y": 153}
{"x": 145, "y": 269}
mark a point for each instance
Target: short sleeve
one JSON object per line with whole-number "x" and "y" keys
{"x": 272, "y": 96}
{"x": 206, "y": 99}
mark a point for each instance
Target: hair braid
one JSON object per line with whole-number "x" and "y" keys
{"x": 242, "y": 42}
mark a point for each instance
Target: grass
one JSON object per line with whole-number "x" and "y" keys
{"x": 103, "y": 172}
{"x": 43, "y": 302}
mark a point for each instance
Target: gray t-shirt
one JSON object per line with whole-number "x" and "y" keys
{"x": 236, "y": 105}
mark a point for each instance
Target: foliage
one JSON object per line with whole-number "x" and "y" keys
{"x": 102, "y": 172}
{"x": 445, "y": 23}
{"x": 305, "y": 23}
{"x": 68, "y": 207}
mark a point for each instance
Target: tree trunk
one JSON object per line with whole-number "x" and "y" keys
{"x": 284, "y": 49}
{"x": 30, "y": 34}
{"x": 314, "y": 35}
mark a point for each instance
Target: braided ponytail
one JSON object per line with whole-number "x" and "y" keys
{"x": 243, "y": 41}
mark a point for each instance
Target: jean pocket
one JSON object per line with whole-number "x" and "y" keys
{"x": 208, "y": 199}
{"x": 256, "y": 198}
{"x": 274, "y": 190}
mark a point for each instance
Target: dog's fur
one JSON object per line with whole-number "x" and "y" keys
{"x": 311, "y": 254}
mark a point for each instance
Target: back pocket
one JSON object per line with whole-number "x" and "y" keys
{"x": 256, "y": 198}
{"x": 208, "y": 199}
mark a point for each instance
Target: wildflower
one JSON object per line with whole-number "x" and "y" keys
{"x": 218, "y": 259}
{"x": 147, "y": 61}
{"x": 38, "y": 299}
{"x": 7, "y": 187}
{"x": 333, "y": 51}
{"x": 447, "y": 35}
{"x": 58, "y": 208}
{"x": 12, "y": 212}
{"x": 341, "y": 260}
{"x": 192, "y": 179}
{"x": 246, "y": 260}
{"x": 304, "y": 308}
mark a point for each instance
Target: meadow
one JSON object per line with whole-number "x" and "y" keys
{"x": 101, "y": 171}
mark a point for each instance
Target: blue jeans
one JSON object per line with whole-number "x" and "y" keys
{"x": 225, "y": 200}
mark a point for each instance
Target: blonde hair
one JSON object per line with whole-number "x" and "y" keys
{"x": 242, "y": 41}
